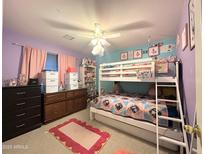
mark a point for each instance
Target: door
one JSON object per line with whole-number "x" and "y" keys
{"x": 196, "y": 141}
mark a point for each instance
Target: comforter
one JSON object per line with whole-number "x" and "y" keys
{"x": 134, "y": 107}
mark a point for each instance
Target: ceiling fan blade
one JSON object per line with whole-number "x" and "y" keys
{"x": 108, "y": 36}
{"x": 132, "y": 26}
{"x": 66, "y": 26}
{"x": 93, "y": 42}
{"x": 84, "y": 35}
{"x": 104, "y": 42}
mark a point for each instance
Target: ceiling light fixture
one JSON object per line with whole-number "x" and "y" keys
{"x": 99, "y": 44}
{"x": 98, "y": 49}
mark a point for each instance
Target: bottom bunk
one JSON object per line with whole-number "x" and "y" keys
{"x": 135, "y": 127}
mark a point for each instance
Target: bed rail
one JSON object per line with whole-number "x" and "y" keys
{"x": 135, "y": 71}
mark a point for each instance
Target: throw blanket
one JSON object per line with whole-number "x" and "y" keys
{"x": 134, "y": 107}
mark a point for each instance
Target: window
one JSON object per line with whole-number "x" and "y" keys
{"x": 51, "y": 62}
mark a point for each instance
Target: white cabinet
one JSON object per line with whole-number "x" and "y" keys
{"x": 88, "y": 79}
{"x": 49, "y": 81}
{"x": 71, "y": 80}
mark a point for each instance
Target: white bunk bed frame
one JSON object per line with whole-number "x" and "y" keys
{"x": 146, "y": 127}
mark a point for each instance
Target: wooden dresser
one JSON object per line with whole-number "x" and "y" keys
{"x": 21, "y": 110}
{"x": 62, "y": 103}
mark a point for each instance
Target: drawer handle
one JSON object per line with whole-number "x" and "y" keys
{"x": 19, "y": 115}
{"x": 21, "y": 93}
{"x": 19, "y": 126}
{"x": 19, "y": 104}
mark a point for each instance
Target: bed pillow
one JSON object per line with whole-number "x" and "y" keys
{"x": 151, "y": 91}
{"x": 116, "y": 88}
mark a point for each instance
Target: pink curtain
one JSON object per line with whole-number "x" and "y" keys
{"x": 26, "y": 61}
{"x": 64, "y": 62}
{"x": 37, "y": 63}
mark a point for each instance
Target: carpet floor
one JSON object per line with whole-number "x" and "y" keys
{"x": 40, "y": 141}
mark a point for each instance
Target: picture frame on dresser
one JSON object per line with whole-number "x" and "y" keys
{"x": 191, "y": 24}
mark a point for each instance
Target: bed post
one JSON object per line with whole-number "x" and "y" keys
{"x": 181, "y": 150}
{"x": 177, "y": 71}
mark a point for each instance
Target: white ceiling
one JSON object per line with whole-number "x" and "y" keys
{"x": 50, "y": 20}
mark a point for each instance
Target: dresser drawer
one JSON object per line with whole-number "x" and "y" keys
{"x": 71, "y": 76}
{"x": 16, "y": 128}
{"x": 20, "y": 104}
{"x": 50, "y": 75}
{"x": 51, "y": 88}
{"x": 50, "y": 82}
{"x": 52, "y": 98}
{"x": 71, "y": 81}
{"x": 69, "y": 106}
{"x": 80, "y": 93}
{"x": 84, "y": 92}
{"x": 70, "y": 94}
{"x": 22, "y": 92}
{"x": 54, "y": 111}
{"x": 20, "y": 115}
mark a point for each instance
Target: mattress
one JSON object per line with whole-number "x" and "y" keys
{"x": 133, "y": 107}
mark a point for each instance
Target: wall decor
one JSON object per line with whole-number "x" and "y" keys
{"x": 191, "y": 24}
{"x": 12, "y": 82}
{"x": 130, "y": 54}
{"x": 153, "y": 51}
{"x": 22, "y": 80}
{"x": 138, "y": 54}
{"x": 123, "y": 56}
{"x": 167, "y": 48}
{"x": 184, "y": 40}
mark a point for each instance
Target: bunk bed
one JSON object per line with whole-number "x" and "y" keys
{"x": 144, "y": 70}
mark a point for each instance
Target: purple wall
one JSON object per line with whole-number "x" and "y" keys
{"x": 188, "y": 61}
{"x": 11, "y": 54}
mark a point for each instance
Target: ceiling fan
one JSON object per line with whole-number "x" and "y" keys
{"x": 98, "y": 36}
{"x": 99, "y": 41}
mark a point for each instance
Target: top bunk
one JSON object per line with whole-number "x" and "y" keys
{"x": 143, "y": 70}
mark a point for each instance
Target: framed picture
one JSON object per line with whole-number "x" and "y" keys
{"x": 184, "y": 39}
{"x": 191, "y": 24}
{"x": 153, "y": 51}
{"x": 123, "y": 56}
{"x": 130, "y": 54}
{"x": 138, "y": 54}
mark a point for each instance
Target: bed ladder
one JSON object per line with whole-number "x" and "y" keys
{"x": 183, "y": 144}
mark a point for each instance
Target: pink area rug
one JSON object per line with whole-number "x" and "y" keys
{"x": 123, "y": 152}
{"x": 80, "y": 137}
